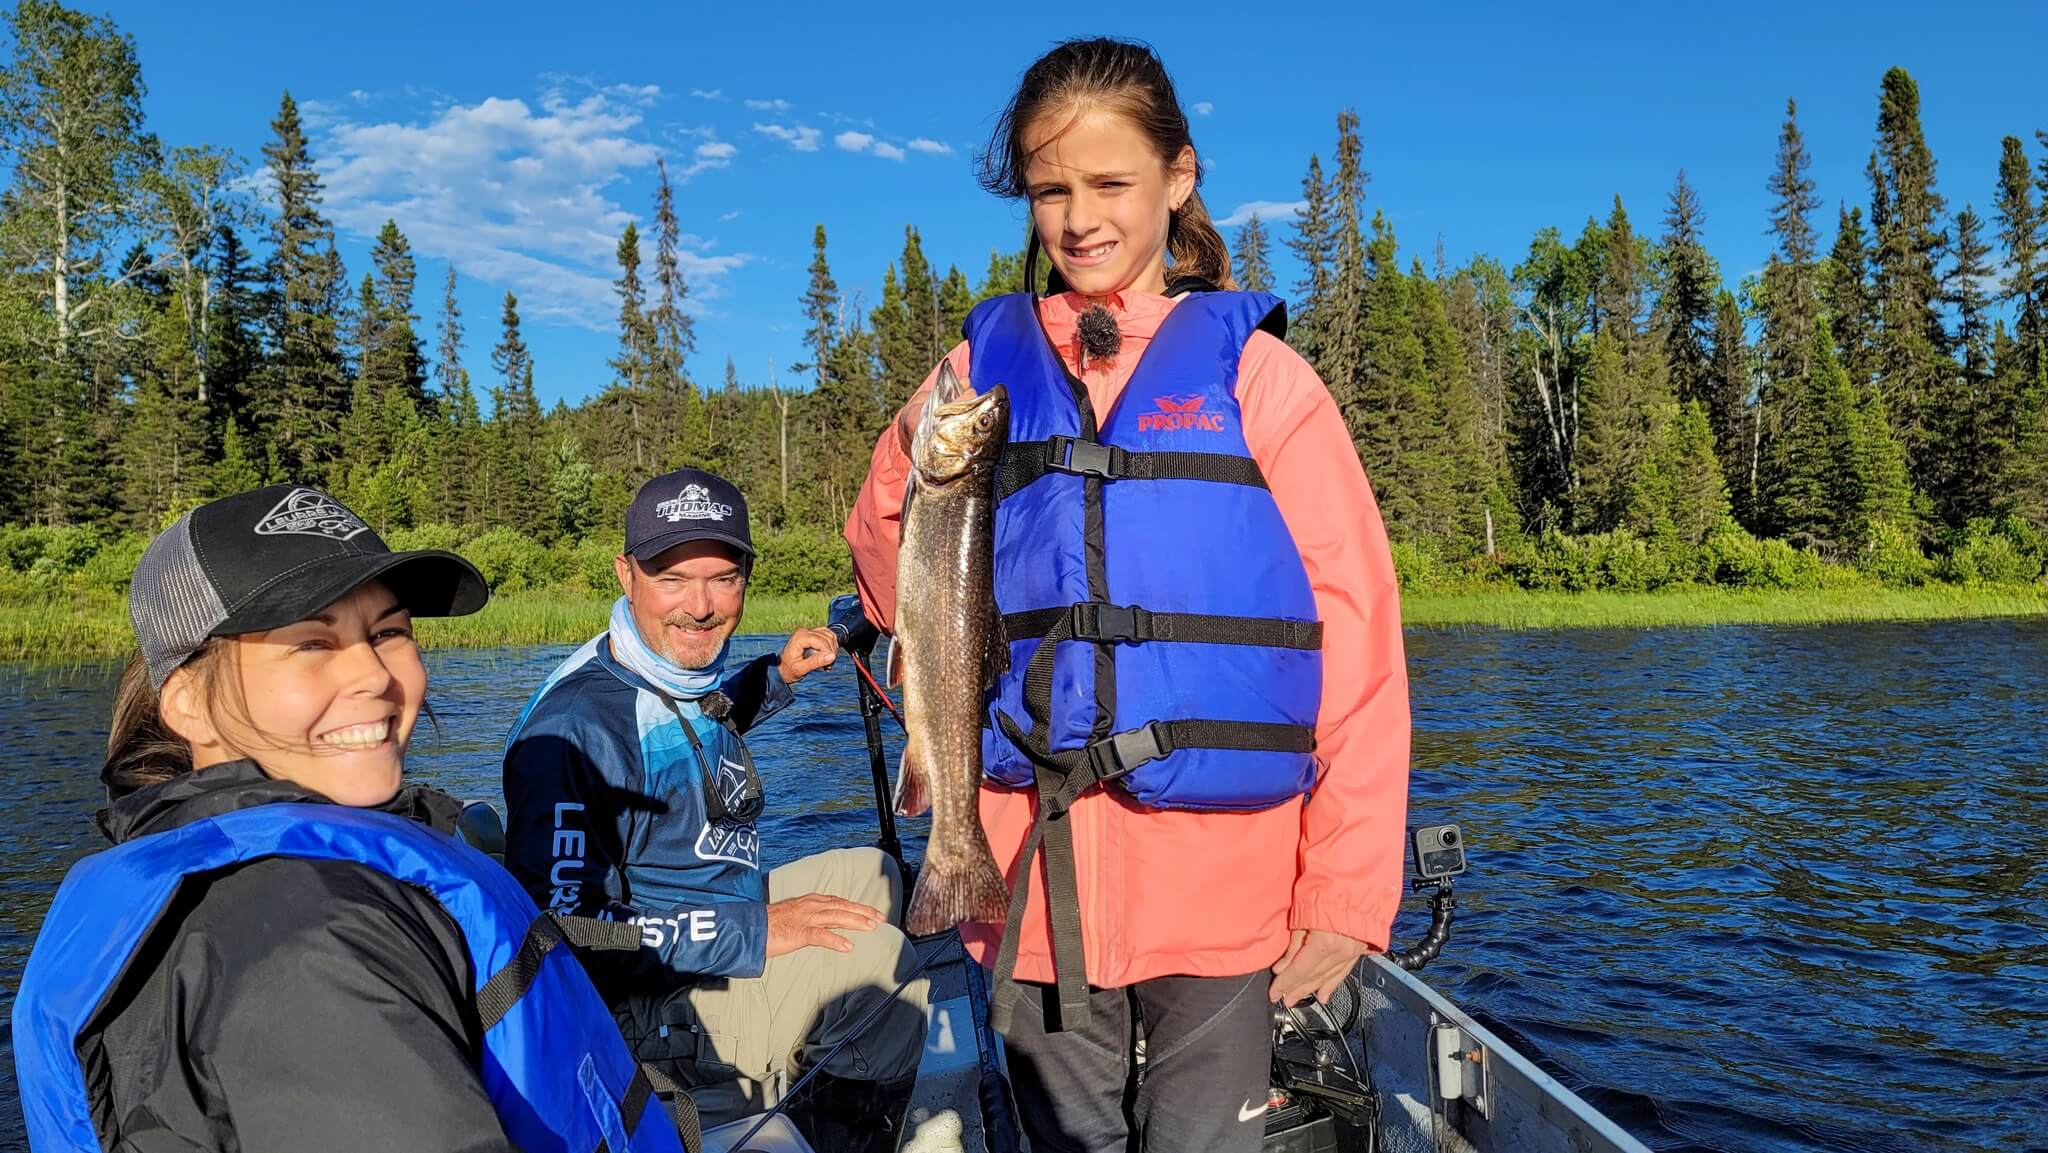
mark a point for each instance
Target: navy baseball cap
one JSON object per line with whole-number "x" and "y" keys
{"x": 685, "y": 505}
{"x": 271, "y": 556}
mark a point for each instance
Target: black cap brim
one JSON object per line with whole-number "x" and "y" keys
{"x": 654, "y": 546}
{"x": 427, "y": 583}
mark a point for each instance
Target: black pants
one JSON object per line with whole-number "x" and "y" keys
{"x": 1208, "y": 1064}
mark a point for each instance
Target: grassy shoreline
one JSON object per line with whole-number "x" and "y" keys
{"x": 94, "y": 625}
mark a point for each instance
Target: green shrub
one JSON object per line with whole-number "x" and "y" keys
{"x": 1417, "y": 568}
{"x": 112, "y": 565}
{"x": 1739, "y": 560}
{"x": 800, "y": 560}
{"x": 1987, "y": 555}
{"x": 509, "y": 560}
{"x": 447, "y": 537}
{"x": 47, "y": 552}
{"x": 591, "y": 564}
{"x": 1891, "y": 553}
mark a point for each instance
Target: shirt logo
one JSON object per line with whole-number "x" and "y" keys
{"x": 730, "y": 841}
{"x": 304, "y": 512}
{"x": 693, "y": 503}
{"x": 1179, "y": 413}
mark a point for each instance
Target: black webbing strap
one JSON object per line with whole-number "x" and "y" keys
{"x": 1108, "y": 624}
{"x": 681, "y": 1106}
{"x": 1061, "y": 777}
{"x": 549, "y": 929}
{"x": 1026, "y": 461}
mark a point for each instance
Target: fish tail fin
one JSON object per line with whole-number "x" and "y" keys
{"x": 913, "y": 793}
{"x": 972, "y": 890}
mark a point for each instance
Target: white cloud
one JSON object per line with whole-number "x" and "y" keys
{"x": 853, "y": 141}
{"x": 733, "y": 215}
{"x": 935, "y": 147}
{"x": 888, "y": 151}
{"x": 777, "y": 105}
{"x": 512, "y": 195}
{"x": 359, "y": 96}
{"x": 802, "y": 138}
{"x": 713, "y": 154}
{"x": 708, "y": 93}
{"x": 1266, "y": 210}
{"x": 1201, "y": 108}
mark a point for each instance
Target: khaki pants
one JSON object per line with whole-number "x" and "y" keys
{"x": 738, "y": 1043}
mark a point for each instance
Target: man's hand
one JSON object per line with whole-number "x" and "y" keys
{"x": 1316, "y": 962}
{"x": 808, "y": 651}
{"x": 802, "y": 922}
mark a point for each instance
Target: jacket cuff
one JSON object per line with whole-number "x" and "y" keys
{"x": 1371, "y": 922}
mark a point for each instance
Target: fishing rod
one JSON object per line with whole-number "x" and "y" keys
{"x": 858, "y": 636}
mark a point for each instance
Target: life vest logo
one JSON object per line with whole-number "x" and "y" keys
{"x": 304, "y": 512}
{"x": 693, "y": 503}
{"x": 1178, "y": 414}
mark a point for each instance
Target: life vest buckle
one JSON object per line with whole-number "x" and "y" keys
{"x": 1119, "y": 753}
{"x": 1084, "y": 457}
{"x": 1108, "y": 624}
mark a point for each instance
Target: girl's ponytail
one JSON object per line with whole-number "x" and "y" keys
{"x": 1197, "y": 248}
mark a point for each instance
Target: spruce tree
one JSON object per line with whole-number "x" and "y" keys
{"x": 1851, "y": 309}
{"x": 394, "y": 361}
{"x": 1624, "y": 408}
{"x": 1791, "y": 292}
{"x": 1254, "y": 270}
{"x": 1686, "y": 307}
{"x": 670, "y": 328}
{"x": 1905, "y": 211}
{"x": 956, "y": 300}
{"x": 821, "y": 306}
{"x": 902, "y": 364}
{"x": 921, "y": 317}
{"x": 1736, "y": 429}
{"x": 302, "y": 394}
{"x": 1811, "y": 482}
{"x": 2019, "y": 228}
{"x": 1618, "y": 298}
{"x": 1312, "y": 245}
{"x": 1680, "y": 496}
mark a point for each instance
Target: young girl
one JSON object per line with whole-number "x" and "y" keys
{"x": 1205, "y": 724}
{"x": 285, "y": 949}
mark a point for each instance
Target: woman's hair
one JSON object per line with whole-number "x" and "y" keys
{"x": 1128, "y": 78}
{"x": 142, "y": 750}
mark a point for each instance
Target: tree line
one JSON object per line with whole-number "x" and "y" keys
{"x": 166, "y": 337}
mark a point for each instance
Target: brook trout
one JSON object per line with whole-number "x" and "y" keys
{"x": 950, "y": 646}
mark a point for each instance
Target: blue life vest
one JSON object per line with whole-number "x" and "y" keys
{"x": 554, "y": 1065}
{"x": 1144, "y": 567}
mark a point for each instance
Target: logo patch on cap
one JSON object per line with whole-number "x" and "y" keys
{"x": 304, "y": 512}
{"x": 693, "y": 503}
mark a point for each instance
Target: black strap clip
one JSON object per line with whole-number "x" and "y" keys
{"x": 1107, "y": 623}
{"x": 1119, "y": 753}
{"x": 1084, "y": 457}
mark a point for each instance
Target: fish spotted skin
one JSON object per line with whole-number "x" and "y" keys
{"x": 948, "y": 647}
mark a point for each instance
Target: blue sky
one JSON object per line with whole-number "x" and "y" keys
{"x": 516, "y": 139}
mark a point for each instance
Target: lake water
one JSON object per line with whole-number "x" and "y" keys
{"x": 1743, "y": 888}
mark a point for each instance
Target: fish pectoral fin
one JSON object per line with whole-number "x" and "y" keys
{"x": 913, "y": 794}
{"x": 892, "y": 673}
{"x": 995, "y": 657}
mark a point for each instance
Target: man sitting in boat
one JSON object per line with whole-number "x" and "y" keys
{"x": 630, "y": 795}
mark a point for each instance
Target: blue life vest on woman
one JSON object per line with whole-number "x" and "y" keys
{"x": 1163, "y": 634}
{"x": 554, "y": 1065}
{"x": 1148, "y": 559}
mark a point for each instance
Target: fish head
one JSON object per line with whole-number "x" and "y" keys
{"x": 955, "y": 435}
